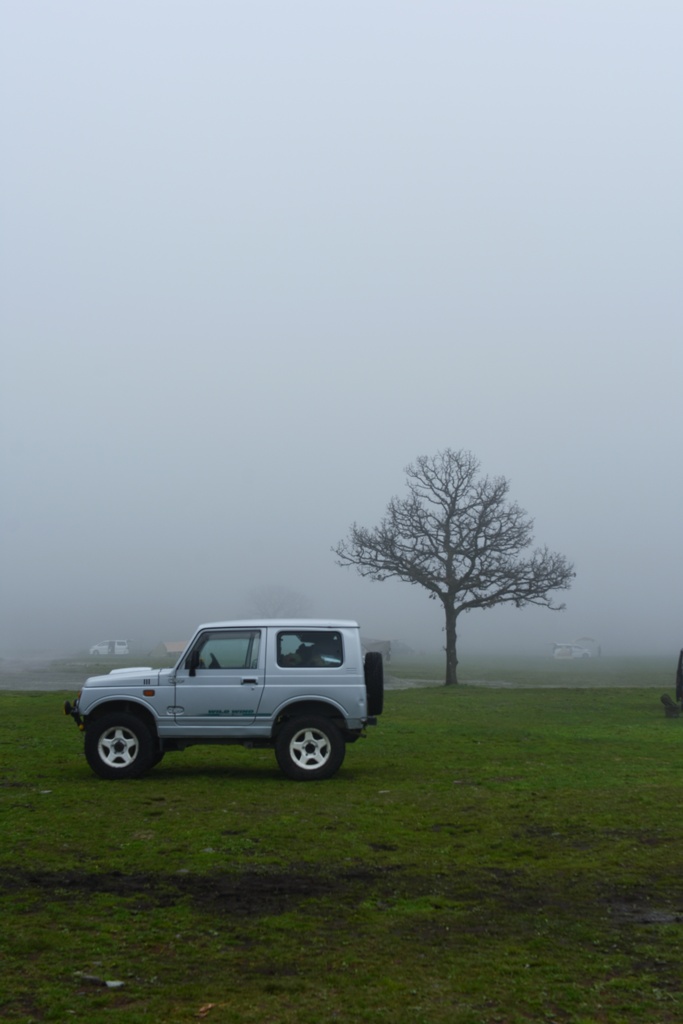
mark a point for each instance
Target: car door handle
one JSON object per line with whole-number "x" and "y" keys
{"x": 252, "y": 682}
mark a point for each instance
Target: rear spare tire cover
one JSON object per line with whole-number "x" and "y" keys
{"x": 374, "y": 682}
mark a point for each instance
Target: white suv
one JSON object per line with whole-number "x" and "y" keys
{"x": 564, "y": 651}
{"x": 301, "y": 687}
{"x": 110, "y": 647}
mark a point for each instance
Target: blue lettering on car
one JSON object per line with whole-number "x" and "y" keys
{"x": 248, "y": 713}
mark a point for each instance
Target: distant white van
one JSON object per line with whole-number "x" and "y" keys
{"x": 110, "y": 647}
{"x": 563, "y": 651}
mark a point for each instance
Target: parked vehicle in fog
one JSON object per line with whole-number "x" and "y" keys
{"x": 302, "y": 687}
{"x": 570, "y": 651}
{"x": 110, "y": 647}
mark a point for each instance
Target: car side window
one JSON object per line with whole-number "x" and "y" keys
{"x": 309, "y": 649}
{"x": 228, "y": 649}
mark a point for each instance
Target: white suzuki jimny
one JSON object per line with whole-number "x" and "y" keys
{"x": 300, "y": 686}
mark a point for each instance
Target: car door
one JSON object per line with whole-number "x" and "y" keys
{"x": 219, "y": 686}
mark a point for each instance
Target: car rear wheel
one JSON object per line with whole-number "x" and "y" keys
{"x": 309, "y": 748}
{"x": 119, "y": 746}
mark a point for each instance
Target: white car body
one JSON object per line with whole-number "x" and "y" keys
{"x": 300, "y": 686}
{"x": 110, "y": 647}
{"x": 564, "y": 651}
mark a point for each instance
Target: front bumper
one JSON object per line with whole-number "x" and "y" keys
{"x": 72, "y": 710}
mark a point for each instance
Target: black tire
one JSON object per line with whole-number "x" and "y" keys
{"x": 119, "y": 746}
{"x": 309, "y": 748}
{"x": 374, "y": 682}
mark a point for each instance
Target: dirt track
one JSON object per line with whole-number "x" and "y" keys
{"x": 41, "y": 675}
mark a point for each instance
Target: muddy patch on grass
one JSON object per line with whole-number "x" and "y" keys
{"x": 252, "y": 893}
{"x": 267, "y": 893}
{"x": 261, "y": 893}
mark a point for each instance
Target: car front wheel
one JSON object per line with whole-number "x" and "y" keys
{"x": 309, "y": 748}
{"x": 119, "y": 746}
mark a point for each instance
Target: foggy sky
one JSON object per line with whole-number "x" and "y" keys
{"x": 259, "y": 256}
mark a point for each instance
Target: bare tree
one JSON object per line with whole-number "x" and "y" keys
{"x": 457, "y": 535}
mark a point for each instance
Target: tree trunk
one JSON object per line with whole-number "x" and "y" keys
{"x": 451, "y": 640}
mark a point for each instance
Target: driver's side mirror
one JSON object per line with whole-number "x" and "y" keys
{"x": 193, "y": 662}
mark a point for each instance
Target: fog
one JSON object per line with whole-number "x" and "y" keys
{"x": 259, "y": 256}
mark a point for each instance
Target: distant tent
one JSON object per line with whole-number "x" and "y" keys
{"x": 170, "y": 649}
{"x": 595, "y": 646}
{"x": 382, "y": 647}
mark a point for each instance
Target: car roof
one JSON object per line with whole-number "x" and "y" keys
{"x": 282, "y": 624}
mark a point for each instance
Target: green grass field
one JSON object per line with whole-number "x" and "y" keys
{"x": 545, "y": 671}
{"x": 487, "y": 856}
